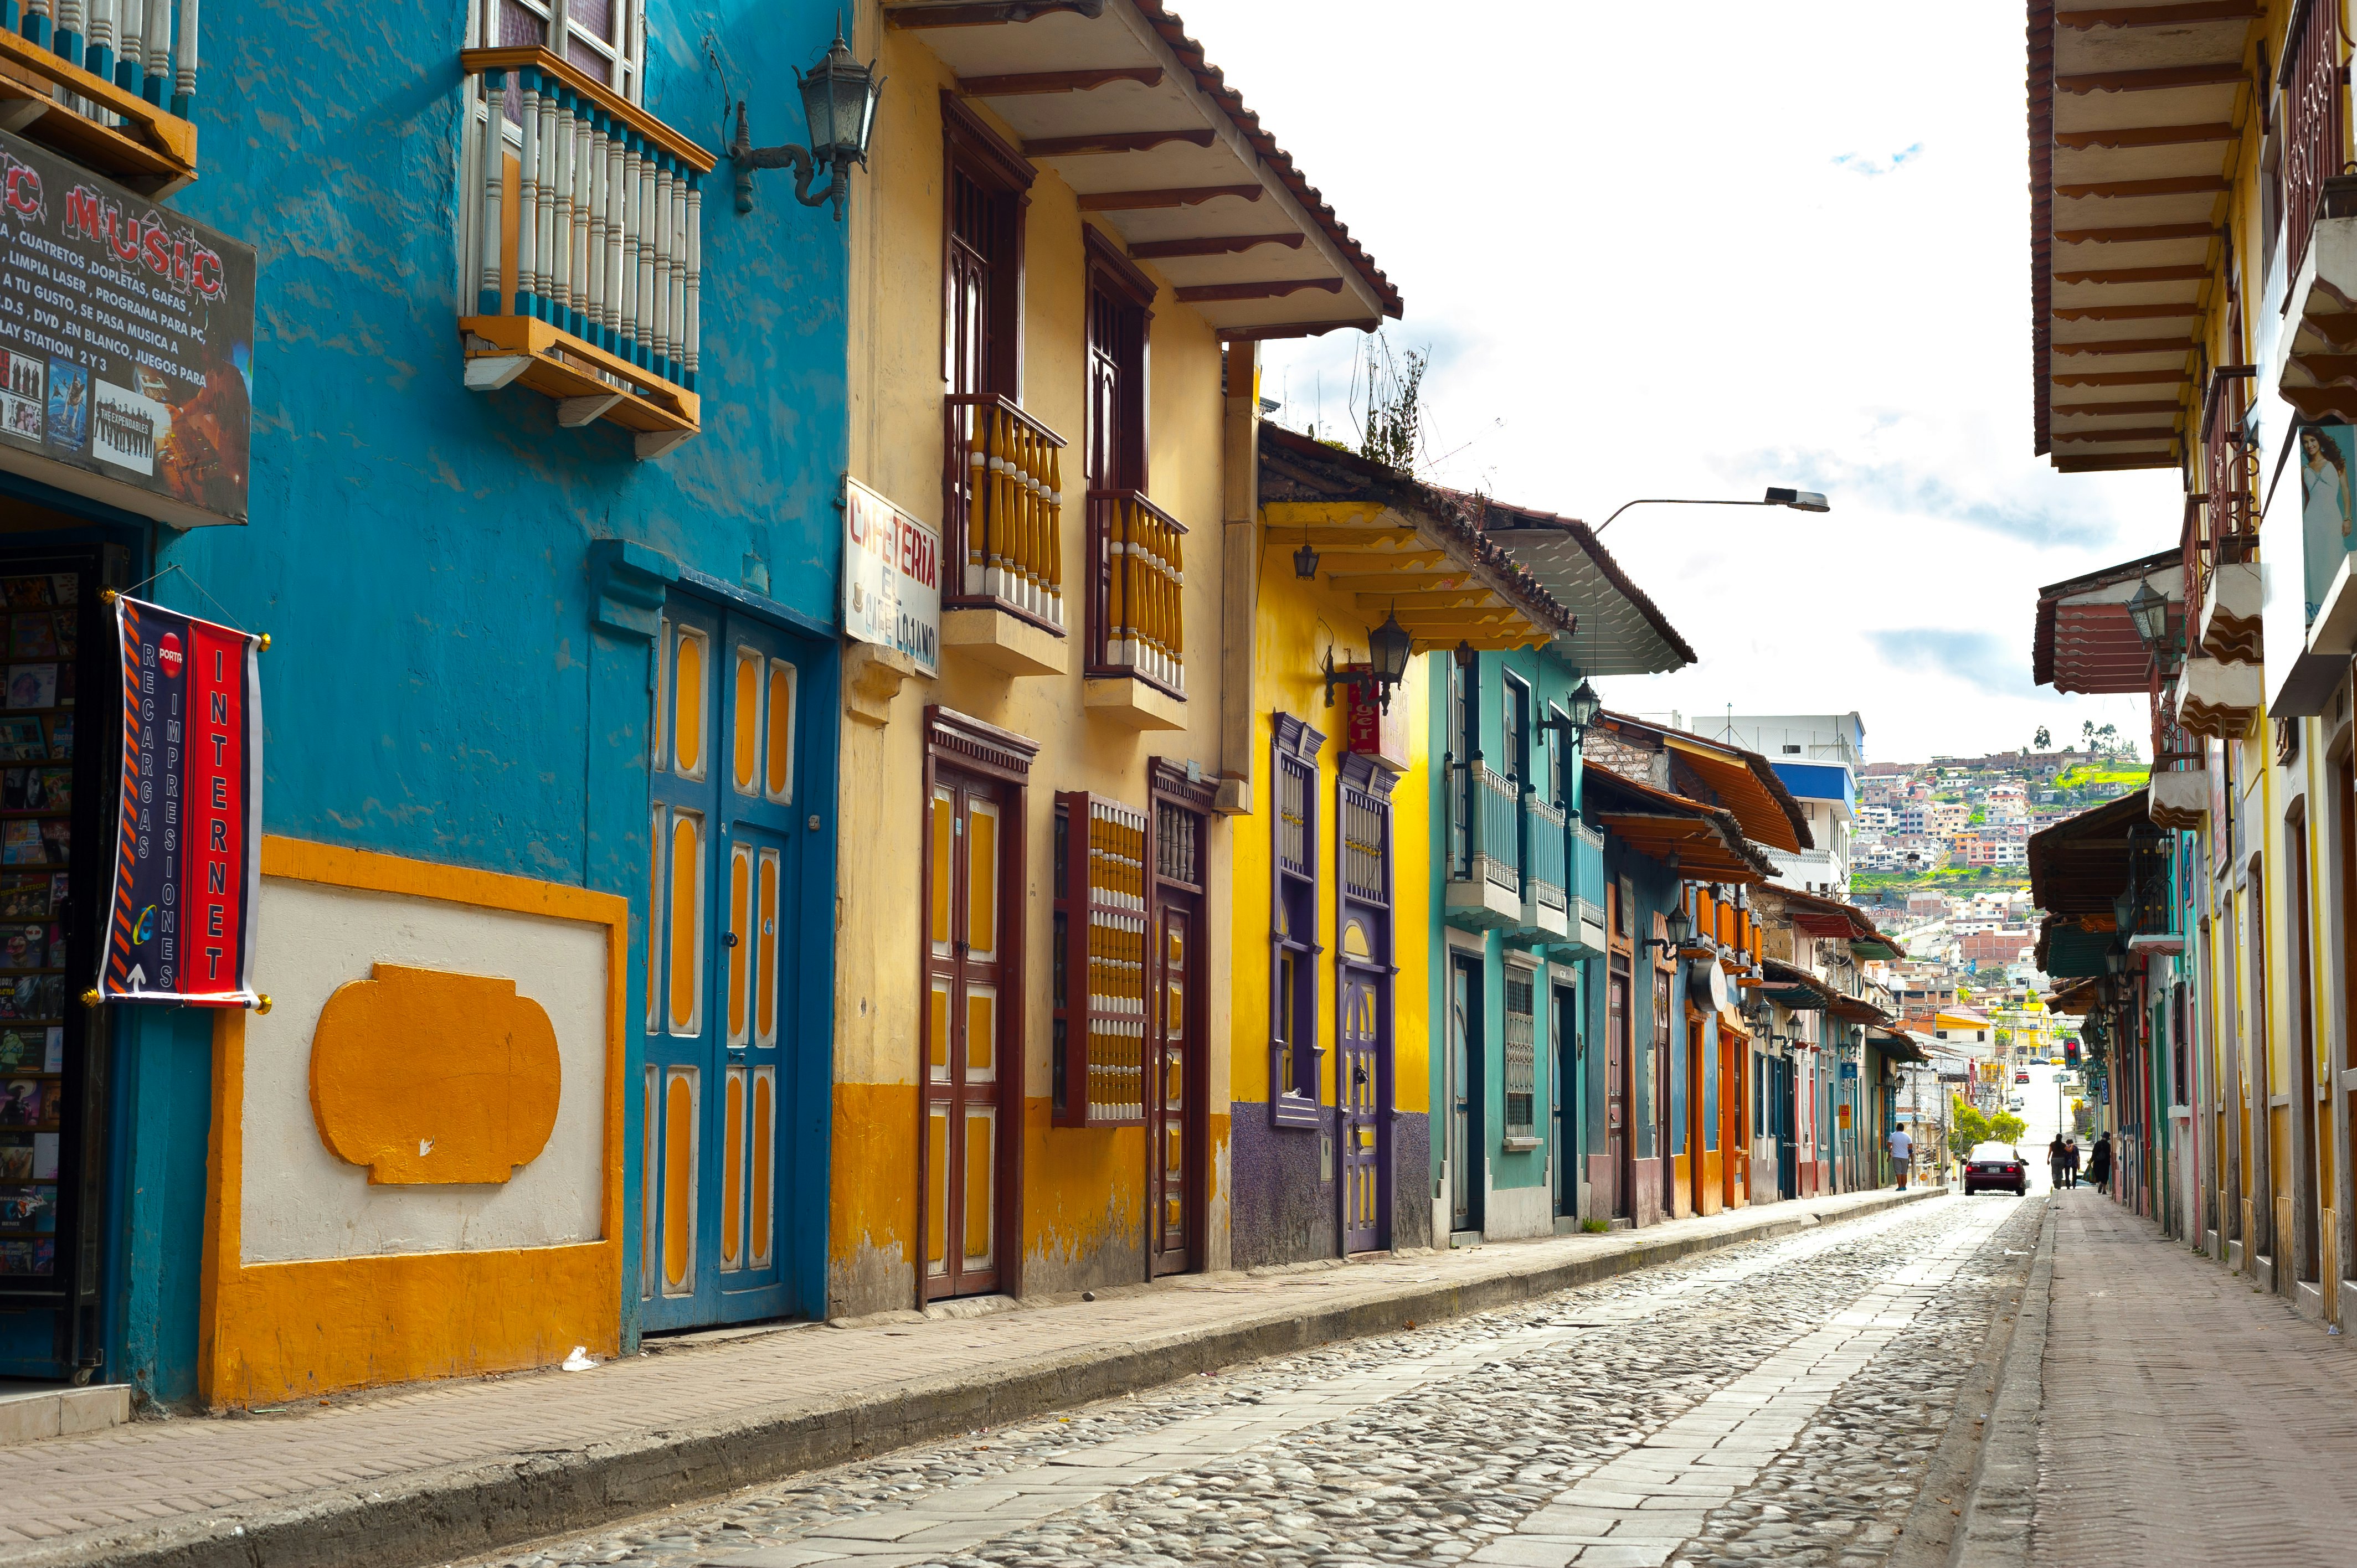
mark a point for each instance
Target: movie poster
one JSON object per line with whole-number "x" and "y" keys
{"x": 188, "y": 868}
{"x": 127, "y": 339}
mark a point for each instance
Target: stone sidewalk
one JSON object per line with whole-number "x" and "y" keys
{"x": 2188, "y": 1418}
{"x": 447, "y": 1470}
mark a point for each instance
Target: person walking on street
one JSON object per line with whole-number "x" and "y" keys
{"x": 1902, "y": 1153}
{"x": 2071, "y": 1159}
{"x": 2058, "y": 1162}
{"x": 2099, "y": 1164}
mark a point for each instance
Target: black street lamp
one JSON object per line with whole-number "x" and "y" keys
{"x": 2150, "y": 612}
{"x": 839, "y": 97}
{"x": 1388, "y": 649}
{"x": 1798, "y": 500}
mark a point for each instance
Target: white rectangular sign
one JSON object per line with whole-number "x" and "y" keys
{"x": 891, "y": 577}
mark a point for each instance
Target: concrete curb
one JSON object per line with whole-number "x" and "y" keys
{"x": 2004, "y": 1491}
{"x": 462, "y": 1510}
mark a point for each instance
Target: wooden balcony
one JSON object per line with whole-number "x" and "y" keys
{"x": 587, "y": 244}
{"x": 1136, "y": 578}
{"x": 1003, "y": 506}
{"x": 114, "y": 97}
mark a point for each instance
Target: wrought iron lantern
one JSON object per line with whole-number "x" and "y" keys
{"x": 1676, "y": 926}
{"x": 839, "y": 97}
{"x": 1388, "y": 647}
{"x": 2150, "y": 612}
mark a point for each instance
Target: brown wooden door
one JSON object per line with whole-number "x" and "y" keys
{"x": 1615, "y": 1088}
{"x": 1662, "y": 1097}
{"x": 1173, "y": 1143}
{"x": 965, "y": 995}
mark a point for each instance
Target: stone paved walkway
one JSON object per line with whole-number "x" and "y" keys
{"x": 144, "y": 1487}
{"x": 2188, "y": 1418}
{"x": 1783, "y": 1404}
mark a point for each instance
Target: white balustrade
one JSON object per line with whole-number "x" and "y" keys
{"x": 131, "y": 43}
{"x": 607, "y": 223}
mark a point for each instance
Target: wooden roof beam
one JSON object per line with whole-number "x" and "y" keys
{"x": 1423, "y": 599}
{"x": 1214, "y": 245}
{"x": 2128, "y": 346}
{"x": 2146, "y": 136}
{"x": 1029, "y": 83}
{"x": 1113, "y": 142}
{"x": 2173, "y": 185}
{"x": 1322, "y": 535}
{"x": 2119, "y": 378}
{"x": 1294, "y": 329}
{"x": 1381, "y": 582}
{"x": 2215, "y": 73}
{"x": 2148, "y": 406}
{"x": 2126, "y": 312}
{"x": 2135, "y": 234}
{"x": 2158, "y": 15}
{"x": 1206, "y": 293}
{"x": 1175, "y": 196}
{"x": 2194, "y": 272}
{"x": 2097, "y": 436}
{"x": 1339, "y": 562}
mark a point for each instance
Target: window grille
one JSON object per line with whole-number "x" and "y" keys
{"x": 1365, "y": 872}
{"x": 1104, "y": 961}
{"x": 1521, "y": 1056}
{"x": 1178, "y": 854}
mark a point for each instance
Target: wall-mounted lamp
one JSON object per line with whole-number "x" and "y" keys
{"x": 1579, "y": 711}
{"x": 1676, "y": 925}
{"x": 2150, "y": 612}
{"x": 1388, "y": 646}
{"x": 839, "y": 97}
{"x": 1305, "y": 560}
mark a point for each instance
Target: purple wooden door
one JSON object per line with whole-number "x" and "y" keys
{"x": 1359, "y": 1082}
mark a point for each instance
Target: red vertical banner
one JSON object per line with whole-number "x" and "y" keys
{"x": 188, "y": 865}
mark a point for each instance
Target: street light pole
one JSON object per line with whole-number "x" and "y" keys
{"x": 1798, "y": 500}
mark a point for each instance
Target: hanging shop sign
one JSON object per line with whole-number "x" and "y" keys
{"x": 127, "y": 344}
{"x": 891, "y": 577}
{"x": 1370, "y": 729}
{"x": 188, "y": 870}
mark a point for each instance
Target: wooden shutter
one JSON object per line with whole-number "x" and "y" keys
{"x": 1105, "y": 981}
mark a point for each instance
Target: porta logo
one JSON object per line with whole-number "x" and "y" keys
{"x": 167, "y": 653}
{"x": 429, "y": 1077}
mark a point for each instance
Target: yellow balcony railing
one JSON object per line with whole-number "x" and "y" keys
{"x": 1004, "y": 489}
{"x": 1136, "y": 581}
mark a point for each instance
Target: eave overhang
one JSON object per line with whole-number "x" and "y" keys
{"x": 2135, "y": 114}
{"x": 1115, "y": 98}
{"x": 2085, "y": 640}
{"x": 1402, "y": 548}
{"x": 1621, "y": 631}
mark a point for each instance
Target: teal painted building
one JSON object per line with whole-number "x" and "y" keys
{"x": 552, "y": 604}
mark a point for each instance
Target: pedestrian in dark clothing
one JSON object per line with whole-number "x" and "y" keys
{"x": 2058, "y": 1162}
{"x": 2099, "y": 1164}
{"x": 2071, "y": 1155}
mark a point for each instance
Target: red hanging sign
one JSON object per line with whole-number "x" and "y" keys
{"x": 180, "y": 927}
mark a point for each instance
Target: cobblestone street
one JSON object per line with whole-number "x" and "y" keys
{"x": 1780, "y": 1403}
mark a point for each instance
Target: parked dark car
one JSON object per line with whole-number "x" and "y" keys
{"x": 1996, "y": 1168}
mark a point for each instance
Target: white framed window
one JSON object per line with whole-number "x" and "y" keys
{"x": 605, "y": 40}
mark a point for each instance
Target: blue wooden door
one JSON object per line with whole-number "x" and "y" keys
{"x": 725, "y": 874}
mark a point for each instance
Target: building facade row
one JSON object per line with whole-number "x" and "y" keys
{"x": 813, "y": 754}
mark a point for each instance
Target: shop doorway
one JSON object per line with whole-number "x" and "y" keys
{"x": 722, "y": 979}
{"x": 1564, "y": 1083}
{"x": 1176, "y": 1121}
{"x": 1468, "y": 1140}
{"x": 57, "y": 807}
{"x": 1785, "y": 1115}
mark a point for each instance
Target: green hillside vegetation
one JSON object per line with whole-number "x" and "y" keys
{"x": 2132, "y": 775}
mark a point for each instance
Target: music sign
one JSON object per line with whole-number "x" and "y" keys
{"x": 180, "y": 924}
{"x": 891, "y": 577}
{"x": 126, "y": 342}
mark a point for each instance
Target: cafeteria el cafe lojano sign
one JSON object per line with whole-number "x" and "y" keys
{"x": 127, "y": 344}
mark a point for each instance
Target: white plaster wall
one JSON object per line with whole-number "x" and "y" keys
{"x": 299, "y": 1201}
{"x": 1512, "y": 1213}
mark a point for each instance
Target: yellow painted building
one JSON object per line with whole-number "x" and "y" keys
{"x": 1355, "y": 571}
{"x": 1069, "y": 237}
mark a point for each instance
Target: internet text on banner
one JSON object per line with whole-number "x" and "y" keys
{"x": 188, "y": 865}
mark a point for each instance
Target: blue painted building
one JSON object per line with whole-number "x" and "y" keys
{"x": 552, "y": 604}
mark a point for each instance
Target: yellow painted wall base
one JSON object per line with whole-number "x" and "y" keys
{"x": 871, "y": 1249}
{"x": 306, "y": 1329}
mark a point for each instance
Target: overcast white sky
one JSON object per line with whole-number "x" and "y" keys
{"x": 1698, "y": 250}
